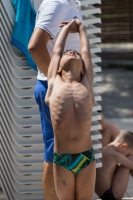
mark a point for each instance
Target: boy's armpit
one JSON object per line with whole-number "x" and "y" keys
{"x": 49, "y": 91}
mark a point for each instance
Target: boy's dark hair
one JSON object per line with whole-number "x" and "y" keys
{"x": 126, "y": 136}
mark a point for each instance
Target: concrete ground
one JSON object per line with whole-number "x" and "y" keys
{"x": 117, "y": 93}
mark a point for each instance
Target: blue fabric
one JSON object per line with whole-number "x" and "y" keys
{"x": 23, "y": 27}
{"x": 47, "y": 130}
{"x": 74, "y": 162}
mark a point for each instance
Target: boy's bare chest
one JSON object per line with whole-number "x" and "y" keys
{"x": 76, "y": 94}
{"x": 75, "y": 99}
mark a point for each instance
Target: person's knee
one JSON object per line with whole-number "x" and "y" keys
{"x": 114, "y": 130}
{"x": 117, "y": 195}
{"x": 85, "y": 196}
{"x": 67, "y": 198}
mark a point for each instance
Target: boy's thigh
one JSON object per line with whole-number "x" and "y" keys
{"x": 85, "y": 182}
{"x": 64, "y": 183}
{"x": 120, "y": 181}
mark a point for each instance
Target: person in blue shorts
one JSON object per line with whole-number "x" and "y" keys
{"x": 49, "y": 16}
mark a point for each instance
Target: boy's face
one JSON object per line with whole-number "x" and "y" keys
{"x": 69, "y": 57}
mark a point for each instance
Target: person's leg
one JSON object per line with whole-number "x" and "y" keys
{"x": 47, "y": 179}
{"x": 64, "y": 183}
{"x": 48, "y": 182}
{"x": 85, "y": 182}
{"x": 120, "y": 182}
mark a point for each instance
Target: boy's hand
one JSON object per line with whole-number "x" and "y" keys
{"x": 73, "y": 25}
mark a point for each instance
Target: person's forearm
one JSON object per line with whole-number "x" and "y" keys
{"x": 84, "y": 43}
{"x": 42, "y": 59}
{"x": 85, "y": 51}
{"x": 61, "y": 40}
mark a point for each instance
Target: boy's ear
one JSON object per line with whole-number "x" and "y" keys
{"x": 124, "y": 145}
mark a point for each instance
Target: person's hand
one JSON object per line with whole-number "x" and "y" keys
{"x": 73, "y": 25}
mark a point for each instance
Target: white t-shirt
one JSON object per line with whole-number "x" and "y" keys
{"x": 49, "y": 16}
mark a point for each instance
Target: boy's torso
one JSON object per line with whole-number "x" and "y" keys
{"x": 106, "y": 172}
{"x": 71, "y": 113}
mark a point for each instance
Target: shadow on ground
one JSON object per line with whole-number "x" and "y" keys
{"x": 117, "y": 92}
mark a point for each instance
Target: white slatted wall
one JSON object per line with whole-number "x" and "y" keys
{"x": 21, "y": 138}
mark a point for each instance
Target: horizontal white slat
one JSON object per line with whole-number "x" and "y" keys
{"x": 96, "y": 144}
{"x": 98, "y": 154}
{"x": 93, "y": 39}
{"x": 90, "y": 11}
{"x": 96, "y": 68}
{"x": 98, "y": 163}
{"x": 97, "y": 78}
{"x": 96, "y": 117}
{"x": 90, "y": 2}
{"x": 95, "y": 126}
{"x": 93, "y": 30}
{"x": 97, "y": 98}
{"x": 97, "y": 107}
{"x": 95, "y": 135}
{"x": 90, "y": 19}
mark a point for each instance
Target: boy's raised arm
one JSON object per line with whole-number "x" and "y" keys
{"x": 59, "y": 47}
{"x": 85, "y": 52}
{"x": 57, "y": 52}
{"x": 86, "y": 56}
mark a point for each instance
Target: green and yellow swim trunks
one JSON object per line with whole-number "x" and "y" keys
{"x": 74, "y": 162}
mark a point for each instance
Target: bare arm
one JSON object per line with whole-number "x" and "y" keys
{"x": 125, "y": 161}
{"x": 38, "y": 49}
{"x": 58, "y": 50}
{"x": 86, "y": 56}
{"x": 85, "y": 53}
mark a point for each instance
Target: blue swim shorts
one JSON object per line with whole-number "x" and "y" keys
{"x": 47, "y": 130}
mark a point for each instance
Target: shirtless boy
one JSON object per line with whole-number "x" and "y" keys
{"x": 117, "y": 159}
{"x": 70, "y": 99}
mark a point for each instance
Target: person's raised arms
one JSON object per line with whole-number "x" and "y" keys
{"x": 86, "y": 56}
{"x": 59, "y": 47}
